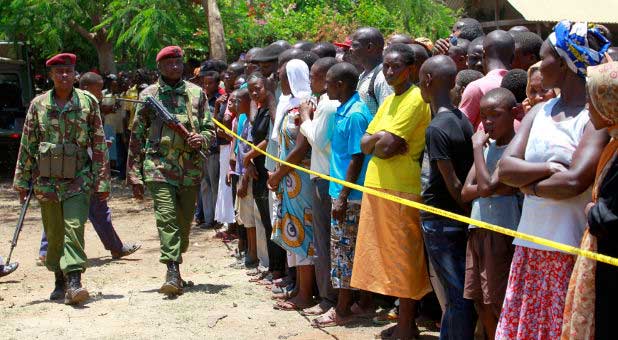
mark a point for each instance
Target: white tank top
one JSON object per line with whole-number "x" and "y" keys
{"x": 558, "y": 220}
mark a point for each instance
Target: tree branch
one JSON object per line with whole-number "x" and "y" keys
{"x": 82, "y": 31}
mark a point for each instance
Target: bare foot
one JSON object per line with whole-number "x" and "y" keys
{"x": 395, "y": 332}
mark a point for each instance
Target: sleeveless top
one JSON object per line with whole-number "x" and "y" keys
{"x": 564, "y": 220}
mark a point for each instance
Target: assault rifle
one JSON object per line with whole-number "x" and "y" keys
{"x": 20, "y": 224}
{"x": 168, "y": 119}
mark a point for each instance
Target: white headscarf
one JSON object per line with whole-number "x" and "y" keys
{"x": 298, "y": 78}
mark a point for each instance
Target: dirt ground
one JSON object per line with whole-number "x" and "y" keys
{"x": 125, "y": 301}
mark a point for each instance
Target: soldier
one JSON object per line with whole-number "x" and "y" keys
{"x": 170, "y": 166}
{"x": 64, "y": 156}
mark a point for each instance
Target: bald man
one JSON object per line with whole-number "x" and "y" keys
{"x": 499, "y": 49}
{"x": 449, "y": 150}
{"x": 366, "y": 50}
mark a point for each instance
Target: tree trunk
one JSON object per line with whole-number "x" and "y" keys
{"x": 105, "y": 48}
{"x": 216, "y": 33}
{"x": 105, "y": 52}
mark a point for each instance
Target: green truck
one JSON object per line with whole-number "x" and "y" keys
{"x": 16, "y": 92}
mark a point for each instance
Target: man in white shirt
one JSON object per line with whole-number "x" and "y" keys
{"x": 316, "y": 127}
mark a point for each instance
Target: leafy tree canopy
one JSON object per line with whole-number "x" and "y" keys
{"x": 134, "y": 30}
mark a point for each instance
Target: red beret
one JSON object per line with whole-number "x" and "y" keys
{"x": 169, "y": 52}
{"x": 62, "y": 59}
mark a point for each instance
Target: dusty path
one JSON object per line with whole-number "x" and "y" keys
{"x": 125, "y": 303}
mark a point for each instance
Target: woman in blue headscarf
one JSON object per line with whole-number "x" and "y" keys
{"x": 552, "y": 159}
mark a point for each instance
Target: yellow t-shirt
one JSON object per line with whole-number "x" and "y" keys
{"x": 406, "y": 116}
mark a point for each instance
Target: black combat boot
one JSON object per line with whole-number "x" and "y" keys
{"x": 173, "y": 283}
{"x": 76, "y": 294}
{"x": 59, "y": 286}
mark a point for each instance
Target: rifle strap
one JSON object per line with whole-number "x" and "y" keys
{"x": 372, "y": 84}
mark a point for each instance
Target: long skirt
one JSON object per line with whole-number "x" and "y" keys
{"x": 579, "y": 308}
{"x": 536, "y": 294}
{"x": 224, "y": 209}
{"x": 390, "y": 257}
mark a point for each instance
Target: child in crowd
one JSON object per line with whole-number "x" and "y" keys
{"x": 254, "y": 164}
{"x": 535, "y": 91}
{"x": 516, "y": 81}
{"x": 248, "y": 215}
{"x": 489, "y": 254}
{"x": 462, "y": 80}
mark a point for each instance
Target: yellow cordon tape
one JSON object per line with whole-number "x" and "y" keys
{"x": 535, "y": 239}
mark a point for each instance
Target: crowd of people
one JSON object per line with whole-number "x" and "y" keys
{"x": 504, "y": 127}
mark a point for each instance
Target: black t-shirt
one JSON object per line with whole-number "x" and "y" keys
{"x": 259, "y": 133}
{"x": 448, "y": 137}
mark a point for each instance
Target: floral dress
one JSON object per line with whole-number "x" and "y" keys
{"x": 293, "y": 227}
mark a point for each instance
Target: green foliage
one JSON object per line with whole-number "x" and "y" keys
{"x": 262, "y": 21}
{"x": 139, "y": 28}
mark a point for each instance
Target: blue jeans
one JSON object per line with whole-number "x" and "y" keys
{"x": 445, "y": 241}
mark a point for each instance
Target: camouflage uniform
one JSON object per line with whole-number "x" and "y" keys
{"x": 166, "y": 163}
{"x": 64, "y": 202}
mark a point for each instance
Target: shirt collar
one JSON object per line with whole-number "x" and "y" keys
{"x": 343, "y": 109}
{"x": 499, "y": 72}
{"x": 73, "y": 102}
{"x": 165, "y": 87}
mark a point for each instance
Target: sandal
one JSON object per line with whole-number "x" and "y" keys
{"x": 386, "y": 317}
{"x": 288, "y": 305}
{"x": 320, "y": 309}
{"x": 253, "y": 272}
{"x": 358, "y": 311}
{"x": 282, "y": 296}
{"x": 127, "y": 249}
{"x": 259, "y": 277}
{"x": 331, "y": 319}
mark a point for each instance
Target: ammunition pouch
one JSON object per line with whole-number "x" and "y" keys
{"x": 58, "y": 160}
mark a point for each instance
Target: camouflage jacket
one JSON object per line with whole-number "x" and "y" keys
{"x": 79, "y": 122}
{"x": 165, "y": 156}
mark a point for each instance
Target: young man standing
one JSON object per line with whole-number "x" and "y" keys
{"x": 366, "y": 50}
{"x": 168, "y": 164}
{"x": 449, "y": 149}
{"x": 317, "y": 123}
{"x": 60, "y": 128}
{"x": 498, "y": 49}
{"x": 347, "y": 162}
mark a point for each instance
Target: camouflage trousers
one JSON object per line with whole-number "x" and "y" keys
{"x": 174, "y": 208}
{"x": 64, "y": 225}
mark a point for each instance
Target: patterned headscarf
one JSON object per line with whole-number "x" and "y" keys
{"x": 602, "y": 87}
{"x": 571, "y": 43}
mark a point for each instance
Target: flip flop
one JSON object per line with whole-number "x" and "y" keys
{"x": 282, "y": 296}
{"x": 253, "y": 272}
{"x": 288, "y": 306}
{"x": 317, "y": 310}
{"x": 127, "y": 249}
{"x": 259, "y": 277}
{"x": 331, "y": 319}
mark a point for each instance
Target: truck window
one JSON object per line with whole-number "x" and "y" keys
{"x": 11, "y": 106}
